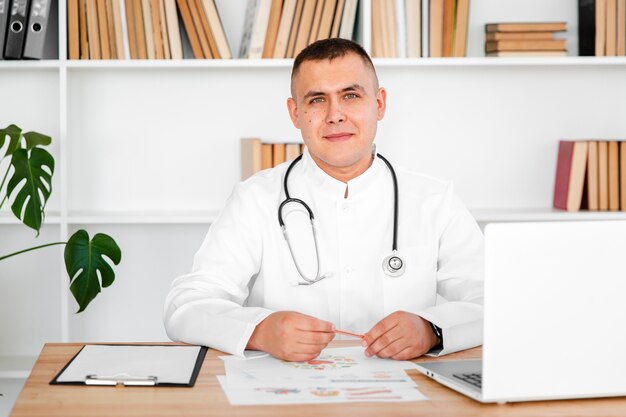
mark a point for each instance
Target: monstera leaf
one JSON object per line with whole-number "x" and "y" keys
{"x": 34, "y": 168}
{"x": 14, "y": 133}
{"x": 86, "y": 265}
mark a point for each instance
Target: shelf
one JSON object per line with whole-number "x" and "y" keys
{"x": 541, "y": 214}
{"x": 573, "y": 61}
{"x": 16, "y": 366}
{"x": 171, "y": 217}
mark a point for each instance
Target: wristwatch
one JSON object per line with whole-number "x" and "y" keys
{"x": 439, "y": 334}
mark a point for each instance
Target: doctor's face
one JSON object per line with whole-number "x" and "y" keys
{"x": 337, "y": 105}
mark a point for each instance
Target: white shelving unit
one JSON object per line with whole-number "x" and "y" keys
{"x": 148, "y": 152}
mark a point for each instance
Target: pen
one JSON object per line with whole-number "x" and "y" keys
{"x": 347, "y": 333}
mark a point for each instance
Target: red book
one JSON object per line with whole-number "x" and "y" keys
{"x": 570, "y": 175}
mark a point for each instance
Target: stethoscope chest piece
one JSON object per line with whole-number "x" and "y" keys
{"x": 393, "y": 265}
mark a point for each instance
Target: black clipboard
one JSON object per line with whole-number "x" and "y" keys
{"x": 148, "y": 380}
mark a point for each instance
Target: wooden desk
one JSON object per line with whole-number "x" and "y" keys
{"x": 206, "y": 398}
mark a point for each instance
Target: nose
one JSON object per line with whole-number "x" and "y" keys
{"x": 335, "y": 113}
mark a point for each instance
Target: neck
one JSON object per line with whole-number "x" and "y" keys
{"x": 344, "y": 174}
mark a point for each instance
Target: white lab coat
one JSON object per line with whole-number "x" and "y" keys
{"x": 244, "y": 271}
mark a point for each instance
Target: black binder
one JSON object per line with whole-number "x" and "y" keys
{"x": 18, "y": 16}
{"x": 4, "y": 19}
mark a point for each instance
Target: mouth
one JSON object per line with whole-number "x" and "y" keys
{"x": 338, "y": 137}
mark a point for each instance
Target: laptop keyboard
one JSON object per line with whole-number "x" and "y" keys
{"x": 475, "y": 379}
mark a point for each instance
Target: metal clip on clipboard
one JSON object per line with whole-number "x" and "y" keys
{"x": 121, "y": 379}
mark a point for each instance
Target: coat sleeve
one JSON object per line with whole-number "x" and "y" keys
{"x": 460, "y": 270}
{"x": 207, "y": 306}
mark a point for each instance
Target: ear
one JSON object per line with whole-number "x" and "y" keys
{"x": 381, "y": 102}
{"x": 293, "y": 112}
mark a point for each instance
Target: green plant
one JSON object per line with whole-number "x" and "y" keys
{"x": 29, "y": 188}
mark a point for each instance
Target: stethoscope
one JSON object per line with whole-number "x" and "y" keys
{"x": 393, "y": 265}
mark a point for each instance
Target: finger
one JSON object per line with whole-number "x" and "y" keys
{"x": 315, "y": 338}
{"x": 405, "y": 354}
{"x": 315, "y": 325}
{"x": 301, "y": 357}
{"x": 383, "y": 341}
{"x": 379, "y": 329}
{"x": 393, "y": 348}
{"x": 309, "y": 349}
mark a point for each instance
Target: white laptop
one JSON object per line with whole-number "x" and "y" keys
{"x": 554, "y": 316}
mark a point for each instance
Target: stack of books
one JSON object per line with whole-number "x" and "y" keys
{"x": 257, "y": 154}
{"x": 602, "y": 27}
{"x": 144, "y": 29}
{"x": 23, "y": 28}
{"x": 525, "y": 39}
{"x": 282, "y": 28}
{"x": 419, "y": 28}
{"x": 591, "y": 174}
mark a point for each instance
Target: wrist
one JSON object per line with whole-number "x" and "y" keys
{"x": 437, "y": 332}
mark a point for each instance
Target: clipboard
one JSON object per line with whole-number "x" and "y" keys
{"x": 133, "y": 365}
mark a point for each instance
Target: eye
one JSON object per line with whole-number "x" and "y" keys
{"x": 351, "y": 96}
{"x": 317, "y": 100}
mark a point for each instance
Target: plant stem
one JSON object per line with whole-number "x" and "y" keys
{"x": 2, "y": 185}
{"x": 33, "y": 248}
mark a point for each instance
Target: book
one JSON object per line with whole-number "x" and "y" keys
{"x": 130, "y": 27}
{"x": 413, "y": 19}
{"x": 142, "y": 47}
{"x": 293, "y": 150}
{"x": 315, "y": 23}
{"x": 295, "y": 27}
{"x": 267, "y": 158}
{"x": 425, "y": 28}
{"x": 304, "y": 28}
{"x": 600, "y": 48}
{"x": 190, "y": 29}
{"x": 436, "y": 28}
{"x": 621, "y": 28}
{"x": 146, "y": 14}
{"x": 586, "y": 27}
{"x": 400, "y": 28}
{"x": 391, "y": 28}
{"x": 103, "y": 29}
{"x": 173, "y": 29}
{"x": 448, "y": 28}
{"x": 93, "y": 32}
{"x": 157, "y": 34}
{"x": 592, "y": 176}
{"x": 73, "y": 28}
{"x": 613, "y": 165}
{"x": 334, "y": 32}
{"x": 507, "y": 36}
{"x": 272, "y": 28}
{"x": 526, "y": 45}
{"x": 250, "y": 157}
{"x": 167, "y": 54}
{"x": 326, "y": 22}
{"x": 217, "y": 28}
{"x": 611, "y": 28}
{"x": 118, "y": 28}
{"x": 110, "y": 21}
{"x": 284, "y": 27}
{"x": 82, "y": 23}
{"x": 201, "y": 25}
{"x": 278, "y": 154}
{"x": 570, "y": 175}
{"x": 526, "y": 27}
{"x": 377, "y": 29}
{"x": 603, "y": 175}
{"x": 622, "y": 175}
{"x": 461, "y": 28}
{"x": 348, "y": 19}
{"x": 259, "y": 29}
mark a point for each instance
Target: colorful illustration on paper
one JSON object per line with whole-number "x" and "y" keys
{"x": 323, "y": 363}
{"x": 324, "y": 392}
{"x": 279, "y": 391}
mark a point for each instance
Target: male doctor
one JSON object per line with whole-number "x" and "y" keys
{"x": 241, "y": 293}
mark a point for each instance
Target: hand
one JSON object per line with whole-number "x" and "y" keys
{"x": 292, "y": 336}
{"x": 400, "y": 336}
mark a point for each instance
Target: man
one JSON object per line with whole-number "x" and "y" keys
{"x": 240, "y": 294}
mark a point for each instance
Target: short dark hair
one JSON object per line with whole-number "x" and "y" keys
{"x": 330, "y": 49}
